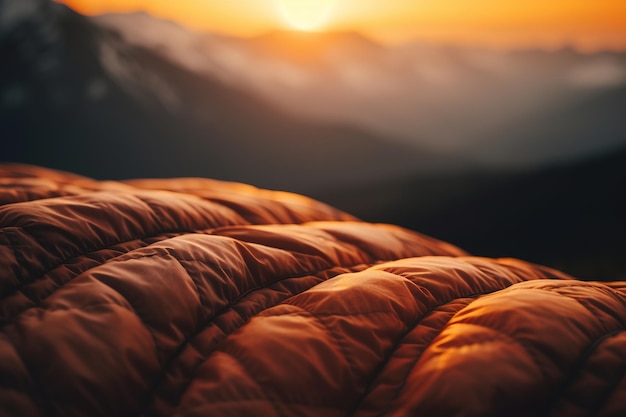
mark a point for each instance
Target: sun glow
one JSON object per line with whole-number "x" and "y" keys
{"x": 591, "y": 25}
{"x": 306, "y": 15}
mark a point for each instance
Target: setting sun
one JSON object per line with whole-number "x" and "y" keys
{"x": 518, "y": 23}
{"x": 305, "y": 14}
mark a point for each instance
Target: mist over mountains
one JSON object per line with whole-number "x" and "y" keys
{"x": 520, "y": 109}
{"x": 77, "y": 96}
{"x": 296, "y": 97}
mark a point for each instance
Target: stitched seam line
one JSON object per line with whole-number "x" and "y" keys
{"x": 211, "y": 320}
{"x": 398, "y": 342}
{"x": 609, "y": 392}
{"x": 196, "y": 285}
{"x": 108, "y": 245}
{"x": 397, "y": 345}
{"x": 37, "y": 302}
{"x": 332, "y": 333}
{"x": 560, "y": 391}
{"x": 204, "y": 356}
{"x": 278, "y": 409}
{"x": 19, "y": 258}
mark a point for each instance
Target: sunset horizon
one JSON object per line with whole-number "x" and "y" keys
{"x": 581, "y": 25}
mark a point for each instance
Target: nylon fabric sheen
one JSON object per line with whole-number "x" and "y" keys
{"x": 195, "y": 297}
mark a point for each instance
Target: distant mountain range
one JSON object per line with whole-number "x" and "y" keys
{"x": 502, "y": 109}
{"x": 79, "y": 97}
{"x": 298, "y": 98}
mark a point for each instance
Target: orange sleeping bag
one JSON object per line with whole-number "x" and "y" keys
{"x": 193, "y": 297}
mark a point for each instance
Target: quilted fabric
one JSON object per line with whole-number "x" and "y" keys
{"x": 193, "y": 297}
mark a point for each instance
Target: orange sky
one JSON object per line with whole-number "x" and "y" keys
{"x": 587, "y": 24}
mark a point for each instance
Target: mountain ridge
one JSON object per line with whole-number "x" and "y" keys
{"x": 568, "y": 216}
{"x": 112, "y": 104}
{"x": 453, "y": 100}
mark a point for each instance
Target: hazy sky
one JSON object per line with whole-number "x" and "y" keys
{"x": 585, "y": 23}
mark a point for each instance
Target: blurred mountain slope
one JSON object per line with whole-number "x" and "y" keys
{"x": 568, "y": 216}
{"x": 78, "y": 97}
{"x": 496, "y": 108}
